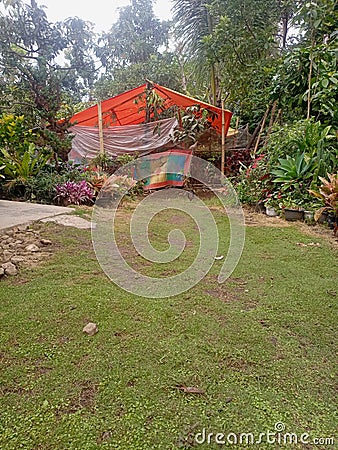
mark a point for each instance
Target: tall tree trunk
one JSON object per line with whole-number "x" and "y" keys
{"x": 213, "y": 74}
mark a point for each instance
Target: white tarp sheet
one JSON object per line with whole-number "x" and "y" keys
{"x": 118, "y": 140}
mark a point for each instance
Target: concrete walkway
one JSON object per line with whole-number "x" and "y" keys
{"x": 20, "y": 213}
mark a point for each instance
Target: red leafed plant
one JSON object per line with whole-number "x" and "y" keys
{"x": 328, "y": 192}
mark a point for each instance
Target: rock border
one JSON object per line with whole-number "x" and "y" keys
{"x": 21, "y": 246}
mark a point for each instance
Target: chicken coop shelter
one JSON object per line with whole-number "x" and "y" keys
{"x": 127, "y": 124}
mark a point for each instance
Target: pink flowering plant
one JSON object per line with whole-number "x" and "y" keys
{"x": 74, "y": 193}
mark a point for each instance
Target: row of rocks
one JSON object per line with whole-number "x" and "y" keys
{"x": 19, "y": 247}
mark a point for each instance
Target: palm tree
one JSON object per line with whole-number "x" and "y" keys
{"x": 194, "y": 24}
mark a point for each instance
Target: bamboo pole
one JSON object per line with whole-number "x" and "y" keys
{"x": 309, "y": 89}
{"x": 272, "y": 117}
{"x": 261, "y": 130}
{"x": 99, "y": 113}
{"x": 223, "y": 138}
{"x": 236, "y": 133}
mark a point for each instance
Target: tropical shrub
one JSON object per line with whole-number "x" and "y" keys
{"x": 293, "y": 170}
{"x": 294, "y": 176}
{"x": 14, "y": 133}
{"x": 253, "y": 183}
{"x": 19, "y": 167}
{"x": 236, "y": 160}
{"x": 328, "y": 193}
{"x": 308, "y": 137}
{"x": 97, "y": 180}
{"x": 193, "y": 123}
{"x": 74, "y": 193}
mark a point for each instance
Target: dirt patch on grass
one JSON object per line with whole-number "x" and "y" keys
{"x": 178, "y": 219}
{"x": 84, "y": 400}
{"x": 232, "y": 290}
{"x": 223, "y": 295}
{"x": 255, "y": 219}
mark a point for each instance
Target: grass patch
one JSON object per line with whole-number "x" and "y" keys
{"x": 261, "y": 346}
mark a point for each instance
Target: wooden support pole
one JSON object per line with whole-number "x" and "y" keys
{"x": 99, "y": 113}
{"x": 261, "y": 130}
{"x": 308, "y": 114}
{"x": 223, "y": 139}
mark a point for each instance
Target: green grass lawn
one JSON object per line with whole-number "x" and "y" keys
{"x": 260, "y": 347}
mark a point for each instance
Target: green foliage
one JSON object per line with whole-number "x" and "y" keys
{"x": 231, "y": 45}
{"x": 135, "y": 37}
{"x": 291, "y": 84}
{"x": 328, "y": 192}
{"x": 194, "y": 25}
{"x": 42, "y": 188}
{"x": 253, "y": 183}
{"x": 308, "y": 77}
{"x": 160, "y": 68}
{"x": 299, "y": 154}
{"x": 308, "y": 137}
{"x": 14, "y": 134}
{"x": 131, "y": 52}
{"x": 292, "y": 170}
{"x": 19, "y": 167}
{"x": 34, "y": 81}
{"x": 194, "y": 122}
{"x": 294, "y": 175}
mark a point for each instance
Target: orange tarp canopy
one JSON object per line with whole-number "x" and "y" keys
{"x": 129, "y": 108}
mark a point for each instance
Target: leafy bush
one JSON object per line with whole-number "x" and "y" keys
{"x": 237, "y": 160}
{"x": 14, "y": 134}
{"x": 308, "y": 137}
{"x": 71, "y": 193}
{"x": 253, "y": 183}
{"x": 193, "y": 124}
{"x": 293, "y": 170}
{"x": 43, "y": 187}
{"x": 19, "y": 167}
{"x": 328, "y": 193}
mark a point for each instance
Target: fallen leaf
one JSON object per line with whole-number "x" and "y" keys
{"x": 333, "y": 293}
{"x": 191, "y": 390}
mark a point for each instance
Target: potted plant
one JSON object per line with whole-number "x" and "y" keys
{"x": 328, "y": 193}
{"x": 294, "y": 174}
{"x": 293, "y": 213}
{"x": 292, "y": 208}
{"x": 272, "y": 203}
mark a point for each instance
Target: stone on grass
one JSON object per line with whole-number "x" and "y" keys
{"x": 90, "y": 329}
{"x": 32, "y": 248}
{"x": 23, "y": 227}
{"x": 46, "y": 242}
{"x": 7, "y": 255}
{"x": 2, "y": 272}
{"x": 10, "y": 268}
{"x": 17, "y": 259}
